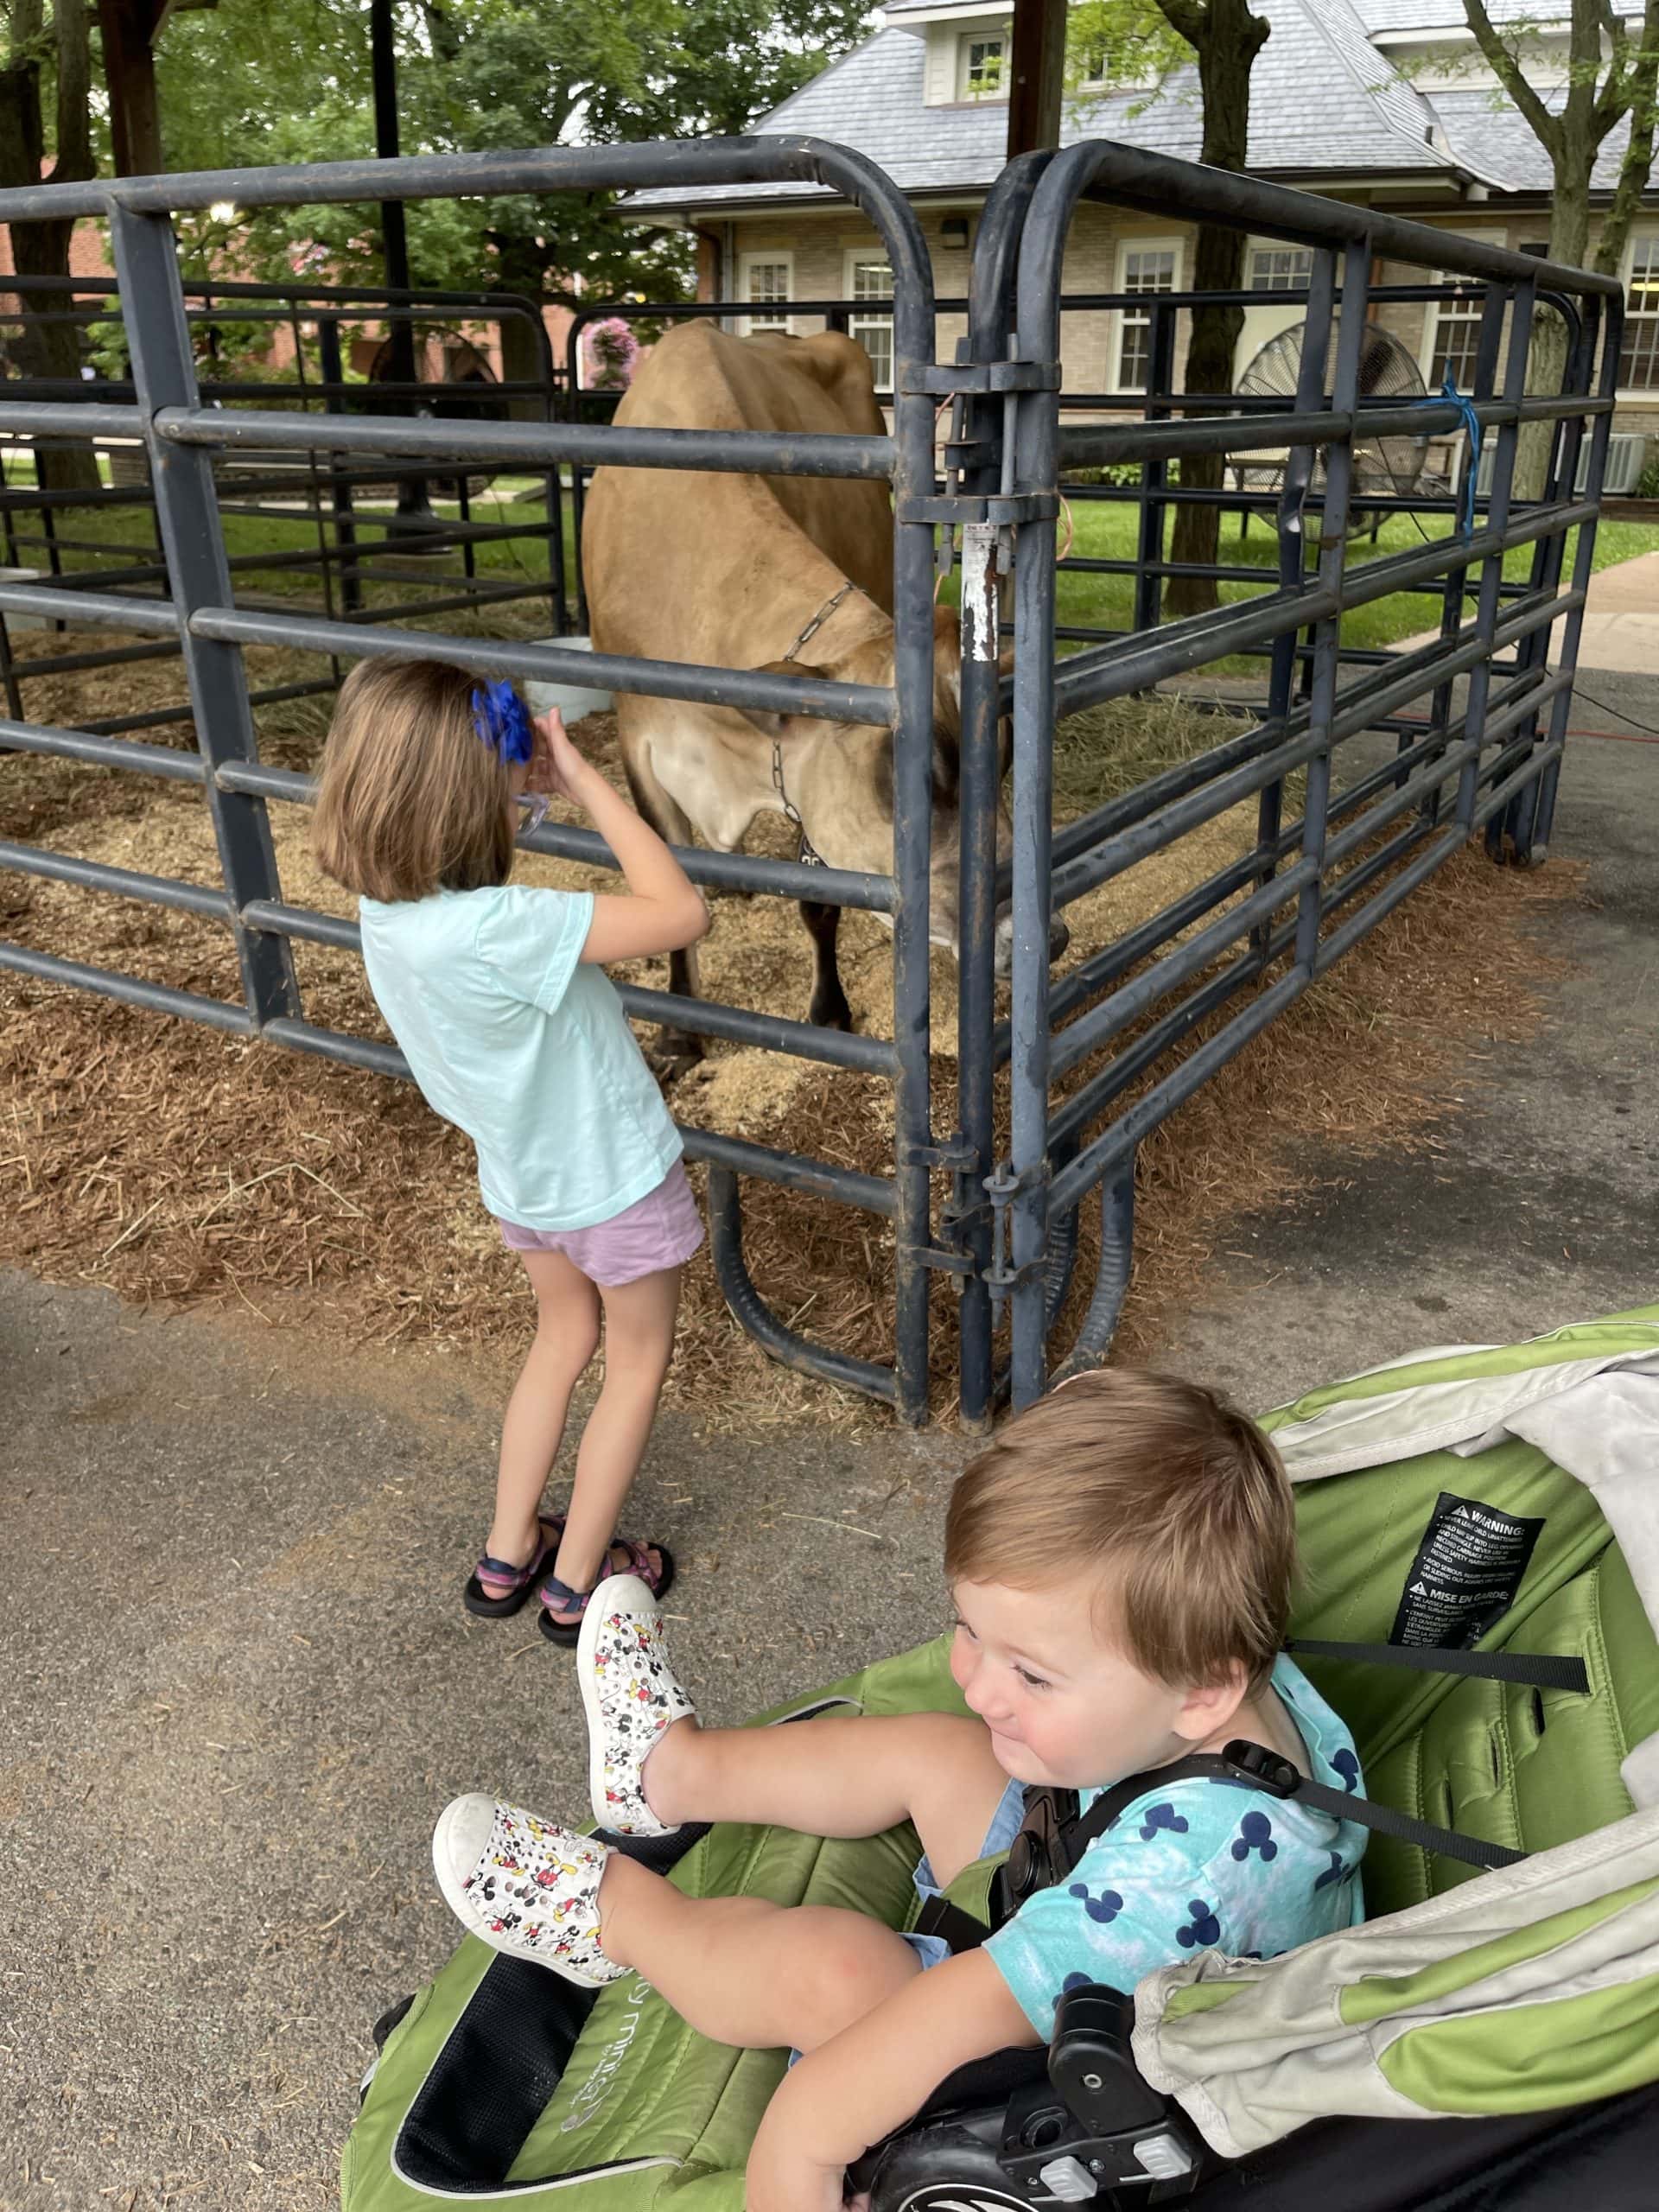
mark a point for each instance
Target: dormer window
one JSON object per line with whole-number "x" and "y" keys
{"x": 982, "y": 66}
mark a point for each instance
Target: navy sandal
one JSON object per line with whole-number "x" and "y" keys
{"x": 554, "y": 1592}
{"x": 520, "y": 1580}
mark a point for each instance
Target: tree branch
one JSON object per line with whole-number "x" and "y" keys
{"x": 1190, "y": 17}
{"x": 1638, "y": 164}
{"x": 1507, "y": 69}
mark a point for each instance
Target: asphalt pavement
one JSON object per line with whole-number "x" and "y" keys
{"x": 237, "y": 1683}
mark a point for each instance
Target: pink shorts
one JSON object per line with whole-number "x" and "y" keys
{"x": 661, "y": 1230}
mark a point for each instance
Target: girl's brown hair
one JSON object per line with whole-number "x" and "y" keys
{"x": 410, "y": 800}
{"x": 1167, "y": 1494}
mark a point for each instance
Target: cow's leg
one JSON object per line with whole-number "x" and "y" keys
{"x": 829, "y": 1006}
{"x": 675, "y": 1050}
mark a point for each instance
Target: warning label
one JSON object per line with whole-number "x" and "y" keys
{"x": 1464, "y": 1579}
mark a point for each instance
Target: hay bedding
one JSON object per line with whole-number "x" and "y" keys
{"x": 177, "y": 1165}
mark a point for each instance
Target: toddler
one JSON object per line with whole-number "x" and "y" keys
{"x": 1121, "y": 1562}
{"x": 495, "y": 992}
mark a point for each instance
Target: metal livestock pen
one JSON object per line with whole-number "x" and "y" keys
{"x": 326, "y": 500}
{"x": 1074, "y": 1048}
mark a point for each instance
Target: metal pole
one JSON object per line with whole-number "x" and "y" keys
{"x": 351, "y": 584}
{"x": 164, "y": 374}
{"x": 1333, "y": 544}
{"x": 414, "y": 511}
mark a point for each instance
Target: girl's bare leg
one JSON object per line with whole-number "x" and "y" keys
{"x": 567, "y": 1337}
{"x": 638, "y": 1345}
{"x": 841, "y": 1777}
{"x": 746, "y": 1972}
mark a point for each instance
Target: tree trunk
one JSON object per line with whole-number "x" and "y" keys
{"x": 129, "y": 34}
{"x": 49, "y": 349}
{"x": 520, "y": 269}
{"x": 1227, "y": 39}
{"x": 1569, "y": 241}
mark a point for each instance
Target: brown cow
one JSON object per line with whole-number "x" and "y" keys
{"x": 729, "y": 570}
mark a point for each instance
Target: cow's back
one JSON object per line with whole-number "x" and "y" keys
{"x": 687, "y": 564}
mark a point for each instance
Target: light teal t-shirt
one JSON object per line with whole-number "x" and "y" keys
{"x": 517, "y": 1043}
{"x": 1195, "y": 1866}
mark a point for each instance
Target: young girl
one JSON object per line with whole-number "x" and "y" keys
{"x": 495, "y": 995}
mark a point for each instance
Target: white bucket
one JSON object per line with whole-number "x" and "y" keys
{"x": 23, "y": 576}
{"x": 572, "y": 700}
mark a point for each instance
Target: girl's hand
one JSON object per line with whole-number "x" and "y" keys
{"x": 555, "y": 766}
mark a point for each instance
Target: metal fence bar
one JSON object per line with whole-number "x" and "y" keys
{"x": 660, "y": 679}
{"x": 103, "y": 752}
{"x": 130, "y": 990}
{"x": 834, "y": 886}
{"x": 121, "y": 882}
{"x": 533, "y": 444}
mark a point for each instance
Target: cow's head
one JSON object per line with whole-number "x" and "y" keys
{"x": 839, "y": 776}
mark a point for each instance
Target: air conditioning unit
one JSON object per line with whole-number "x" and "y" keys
{"x": 1626, "y": 457}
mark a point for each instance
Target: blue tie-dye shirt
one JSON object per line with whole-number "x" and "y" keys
{"x": 1195, "y": 1866}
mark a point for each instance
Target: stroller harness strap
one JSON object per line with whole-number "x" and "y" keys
{"x": 1543, "y": 1670}
{"x": 1055, "y": 1833}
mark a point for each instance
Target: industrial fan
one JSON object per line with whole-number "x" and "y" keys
{"x": 1386, "y": 466}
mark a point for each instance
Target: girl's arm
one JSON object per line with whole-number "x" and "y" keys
{"x": 872, "y": 2077}
{"x": 666, "y": 911}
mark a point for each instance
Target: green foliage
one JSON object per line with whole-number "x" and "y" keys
{"x": 1118, "y": 46}
{"x": 259, "y": 82}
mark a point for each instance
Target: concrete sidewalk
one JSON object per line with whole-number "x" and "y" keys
{"x": 1620, "y": 631}
{"x": 238, "y": 1682}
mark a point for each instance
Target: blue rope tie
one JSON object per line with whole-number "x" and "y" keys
{"x": 1470, "y": 423}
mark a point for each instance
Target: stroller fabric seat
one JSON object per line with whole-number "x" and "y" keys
{"x": 1498, "y": 1499}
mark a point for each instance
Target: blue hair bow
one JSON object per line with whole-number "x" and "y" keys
{"x": 502, "y": 720}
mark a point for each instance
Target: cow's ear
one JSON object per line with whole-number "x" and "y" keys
{"x": 767, "y": 720}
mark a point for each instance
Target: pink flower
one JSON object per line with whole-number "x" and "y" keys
{"x": 610, "y": 350}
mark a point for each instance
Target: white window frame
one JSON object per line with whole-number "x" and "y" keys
{"x": 1649, "y": 239}
{"x": 966, "y": 42}
{"x": 782, "y": 257}
{"x": 1125, "y": 318}
{"x": 1260, "y": 247}
{"x": 857, "y": 258}
{"x": 1435, "y": 311}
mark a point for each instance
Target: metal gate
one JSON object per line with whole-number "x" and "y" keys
{"x": 1077, "y": 1049}
{"x": 1007, "y": 1231}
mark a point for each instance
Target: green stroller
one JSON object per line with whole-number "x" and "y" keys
{"x": 1485, "y": 2039}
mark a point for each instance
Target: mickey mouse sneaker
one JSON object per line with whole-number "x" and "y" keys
{"x": 631, "y": 1697}
{"x": 524, "y": 1886}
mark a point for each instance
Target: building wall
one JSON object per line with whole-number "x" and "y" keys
{"x": 820, "y": 244}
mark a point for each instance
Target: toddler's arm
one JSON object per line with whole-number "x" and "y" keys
{"x": 872, "y": 2076}
{"x": 666, "y": 911}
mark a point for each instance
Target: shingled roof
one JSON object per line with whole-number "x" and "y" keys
{"x": 1364, "y": 120}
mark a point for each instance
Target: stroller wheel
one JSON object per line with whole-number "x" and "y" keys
{"x": 388, "y": 2020}
{"x": 943, "y": 2170}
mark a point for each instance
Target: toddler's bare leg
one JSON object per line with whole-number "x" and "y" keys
{"x": 839, "y": 1778}
{"x": 744, "y": 1971}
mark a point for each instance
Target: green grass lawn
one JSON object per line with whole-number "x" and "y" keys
{"x": 1102, "y": 531}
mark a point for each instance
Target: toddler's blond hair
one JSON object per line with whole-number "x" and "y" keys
{"x": 1168, "y": 1495}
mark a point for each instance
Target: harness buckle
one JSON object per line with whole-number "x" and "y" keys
{"x": 1262, "y": 1769}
